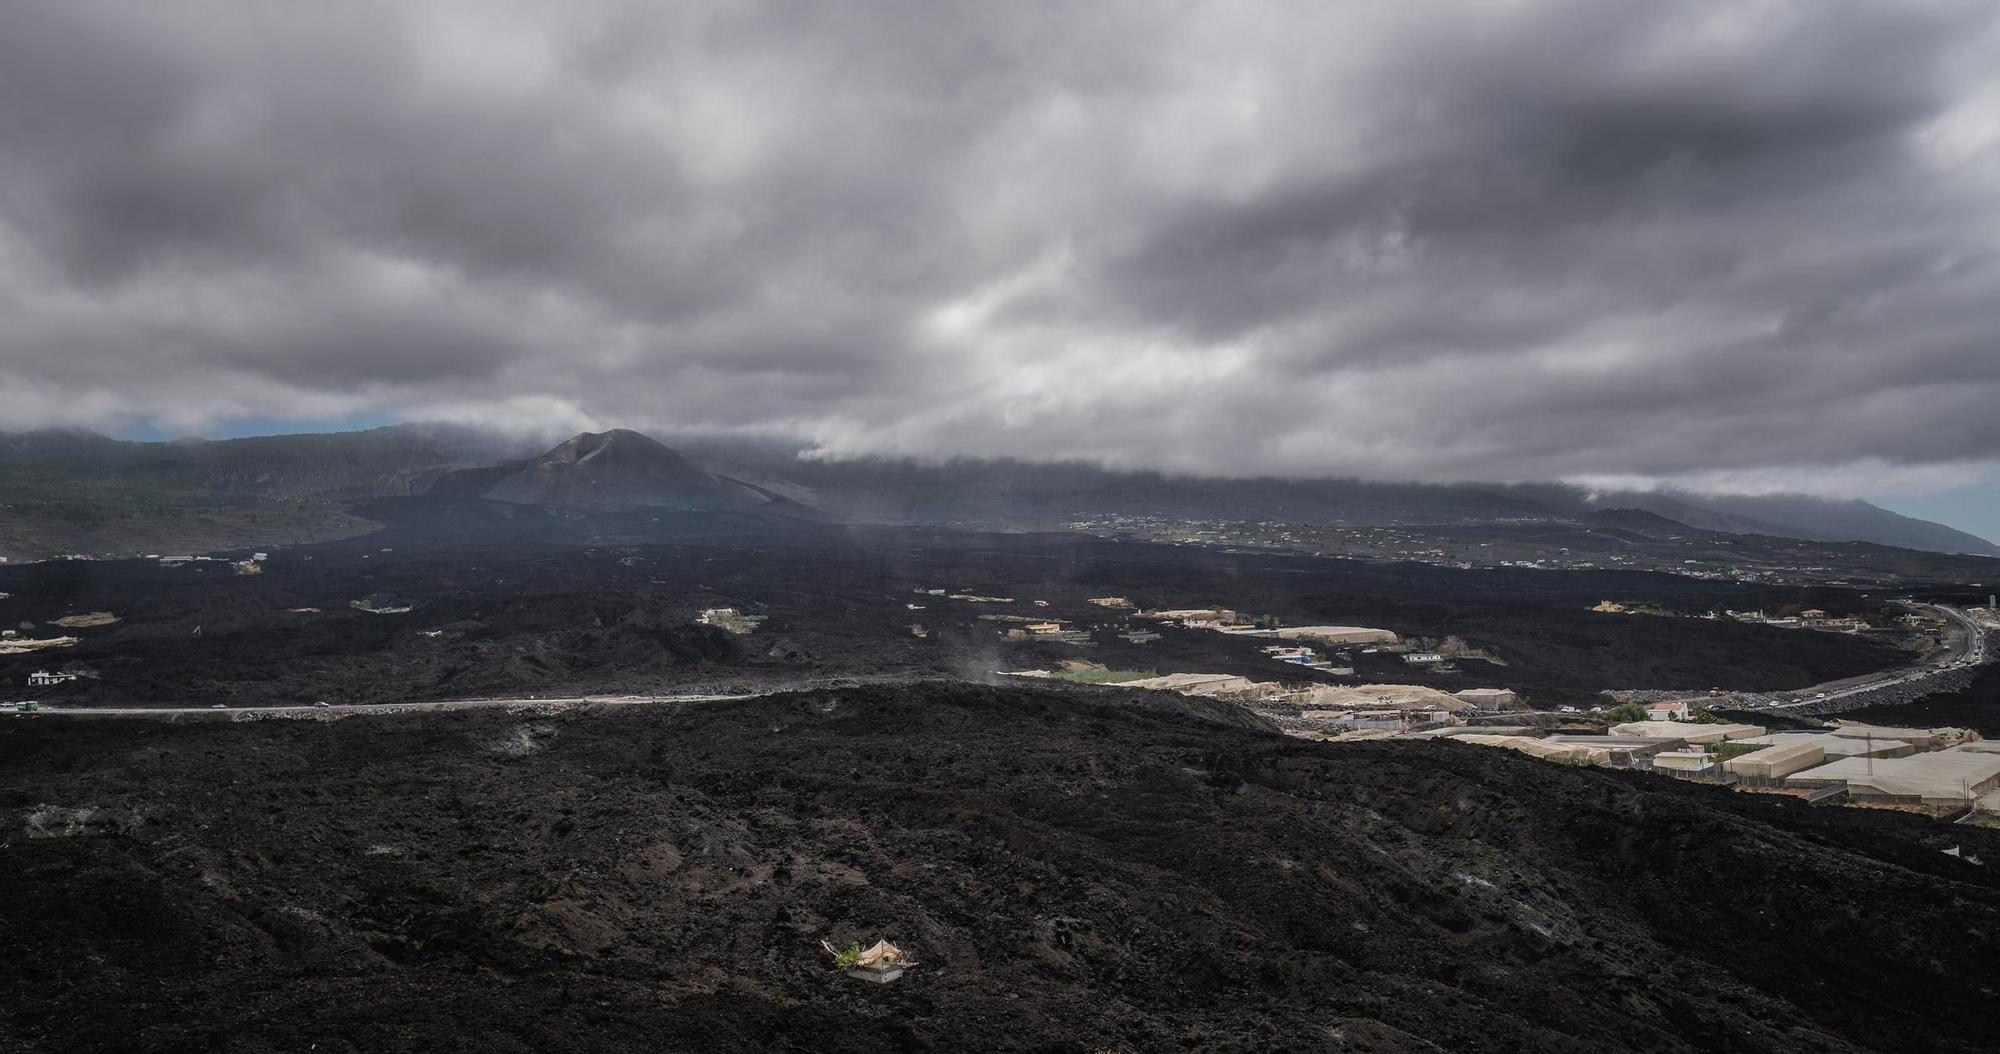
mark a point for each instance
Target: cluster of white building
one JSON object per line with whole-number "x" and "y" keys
{"x": 1936, "y": 771}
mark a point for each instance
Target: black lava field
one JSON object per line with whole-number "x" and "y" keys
{"x": 1072, "y": 871}
{"x": 608, "y": 604}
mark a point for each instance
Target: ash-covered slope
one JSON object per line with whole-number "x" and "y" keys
{"x": 1638, "y": 521}
{"x": 1073, "y": 872}
{"x": 611, "y": 470}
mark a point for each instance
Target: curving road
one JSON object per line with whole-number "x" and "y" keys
{"x": 546, "y": 701}
{"x": 342, "y": 709}
{"x": 1947, "y": 658}
{"x": 1976, "y": 652}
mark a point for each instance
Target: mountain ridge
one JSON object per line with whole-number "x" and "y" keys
{"x": 73, "y": 490}
{"x": 968, "y": 488}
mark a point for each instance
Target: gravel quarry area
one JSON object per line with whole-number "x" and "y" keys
{"x": 1068, "y": 870}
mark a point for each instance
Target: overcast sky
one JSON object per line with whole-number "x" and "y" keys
{"x": 1739, "y": 244}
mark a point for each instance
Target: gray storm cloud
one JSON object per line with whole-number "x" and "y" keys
{"x": 1723, "y": 241}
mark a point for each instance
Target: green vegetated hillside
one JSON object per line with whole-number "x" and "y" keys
{"x": 69, "y": 491}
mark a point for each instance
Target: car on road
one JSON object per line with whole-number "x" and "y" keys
{"x": 322, "y": 704}
{"x": 217, "y": 706}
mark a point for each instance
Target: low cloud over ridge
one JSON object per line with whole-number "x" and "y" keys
{"x": 1550, "y": 238}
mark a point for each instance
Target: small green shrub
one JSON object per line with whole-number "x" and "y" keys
{"x": 1624, "y": 712}
{"x": 1725, "y": 751}
{"x": 1099, "y": 675}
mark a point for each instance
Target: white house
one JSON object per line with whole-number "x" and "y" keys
{"x": 1423, "y": 658}
{"x": 1669, "y": 712}
{"x": 43, "y": 678}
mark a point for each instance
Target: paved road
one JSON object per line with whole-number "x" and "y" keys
{"x": 1975, "y": 654}
{"x": 304, "y": 709}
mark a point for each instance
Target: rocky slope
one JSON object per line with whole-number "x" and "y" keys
{"x": 1072, "y": 872}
